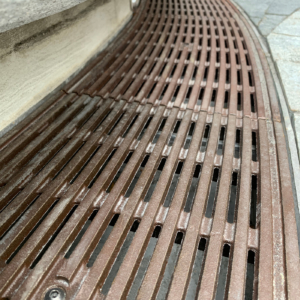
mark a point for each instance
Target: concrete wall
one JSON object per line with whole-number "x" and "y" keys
{"x": 38, "y": 57}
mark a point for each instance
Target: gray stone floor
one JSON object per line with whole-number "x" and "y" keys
{"x": 279, "y": 22}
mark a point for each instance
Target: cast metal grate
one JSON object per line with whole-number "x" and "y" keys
{"x": 159, "y": 172}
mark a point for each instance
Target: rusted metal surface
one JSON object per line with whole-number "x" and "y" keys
{"x": 161, "y": 171}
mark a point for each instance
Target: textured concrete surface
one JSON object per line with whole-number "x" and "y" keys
{"x": 36, "y": 58}
{"x": 15, "y": 13}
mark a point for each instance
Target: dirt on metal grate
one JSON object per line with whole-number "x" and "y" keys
{"x": 159, "y": 172}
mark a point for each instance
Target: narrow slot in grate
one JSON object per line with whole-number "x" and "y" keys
{"x": 172, "y": 261}
{"x": 226, "y": 99}
{"x": 205, "y": 74}
{"x": 144, "y": 128}
{"x": 62, "y": 168}
{"x": 250, "y": 78}
{"x": 155, "y": 180}
{"x": 50, "y": 241}
{"x": 85, "y": 164}
{"x": 23, "y": 213}
{"x": 115, "y": 125}
{"x": 239, "y": 79}
{"x": 188, "y": 95}
{"x": 216, "y": 75}
{"x": 163, "y": 91}
{"x": 173, "y": 185}
{"x": 200, "y": 97}
{"x": 102, "y": 241}
{"x": 31, "y": 232}
{"x": 213, "y": 98}
{"x": 224, "y": 273}
{"x": 195, "y": 73}
{"x": 253, "y": 205}
{"x": 254, "y": 146}
{"x": 144, "y": 264}
{"x": 249, "y": 289}
{"x": 237, "y": 145}
{"x": 159, "y": 131}
{"x": 239, "y": 101}
{"x": 152, "y": 89}
{"x": 102, "y": 168}
{"x": 140, "y": 88}
{"x": 212, "y": 197}
{"x": 193, "y": 189}
{"x": 233, "y": 198}
{"x": 130, "y": 126}
{"x": 189, "y": 136}
{"x": 119, "y": 259}
{"x": 81, "y": 233}
{"x": 252, "y": 103}
{"x": 221, "y": 141}
{"x": 174, "y": 134}
{"x": 197, "y": 271}
{"x": 120, "y": 171}
{"x": 137, "y": 176}
{"x": 205, "y": 138}
{"x": 175, "y": 93}
{"x": 227, "y": 76}
{"x": 173, "y": 70}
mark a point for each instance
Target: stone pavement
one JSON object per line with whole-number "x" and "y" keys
{"x": 279, "y": 22}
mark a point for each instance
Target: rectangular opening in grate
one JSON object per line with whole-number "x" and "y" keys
{"x": 174, "y": 134}
{"x": 205, "y": 138}
{"x": 144, "y": 264}
{"x": 249, "y": 289}
{"x": 52, "y": 238}
{"x": 102, "y": 168}
{"x": 137, "y": 176}
{"x": 193, "y": 189}
{"x": 117, "y": 176}
{"x": 144, "y": 128}
{"x": 31, "y": 232}
{"x": 254, "y": 198}
{"x": 102, "y": 240}
{"x": 223, "y": 273}
{"x": 159, "y": 131}
{"x": 189, "y": 136}
{"x": 212, "y": 194}
{"x": 120, "y": 257}
{"x": 170, "y": 267}
{"x": 233, "y": 198}
{"x": 196, "y": 275}
{"x": 254, "y": 146}
{"x": 173, "y": 184}
{"x": 155, "y": 180}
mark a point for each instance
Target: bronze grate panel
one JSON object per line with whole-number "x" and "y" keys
{"x": 159, "y": 172}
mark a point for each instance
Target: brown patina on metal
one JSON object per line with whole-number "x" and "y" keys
{"x": 159, "y": 172}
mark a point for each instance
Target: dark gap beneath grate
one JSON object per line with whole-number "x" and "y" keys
{"x": 239, "y": 82}
{"x": 144, "y": 128}
{"x": 205, "y": 74}
{"x": 120, "y": 257}
{"x": 102, "y": 168}
{"x": 117, "y": 176}
{"x": 213, "y": 98}
{"x": 188, "y": 95}
{"x": 61, "y": 169}
{"x": 85, "y": 164}
{"x": 217, "y": 75}
{"x": 197, "y": 271}
{"x": 253, "y": 205}
{"x": 159, "y": 131}
{"x": 174, "y": 134}
{"x": 144, "y": 264}
{"x": 227, "y": 76}
{"x": 170, "y": 267}
{"x": 252, "y": 103}
{"x": 81, "y": 233}
{"x": 173, "y": 70}
{"x": 102, "y": 240}
{"x": 116, "y": 123}
{"x": 205, "y": 138}
{"x": 212, "y": 197}
{"x": 130, "y": 126}
{"x": 249, "y": 288}
{"x": 175, "y": 93}
{"x": 223, "y": 273}
{"x": 199, "y": 100}
{"x": 237, "y": 145}
{"x": 140, "y": 88}
{"x": 31, "y": 232}
{"x": 48, "y": 244}
{"x": 137, "y": 176}
{"x": 220, "y": 149}
{"x": 254, "y": 148}
{"x": 193, "y": 189}
{"x": 173, "y": 185}
{"x": 239, "y": 101}
{"x": 250, "y": 78}
{"x": 195, "y": 73}
{"x": 189, "y": 136}
{"x": 155, "y": 180}
{"x": 163, "y": 91}
{"x": 233, "y": 198}
{"x": 226, "y": 99}
{"x": 12, "y": 199}
{"x": 23, "y": 213}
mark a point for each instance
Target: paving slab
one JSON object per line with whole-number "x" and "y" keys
{"x": 268, "y": 23}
